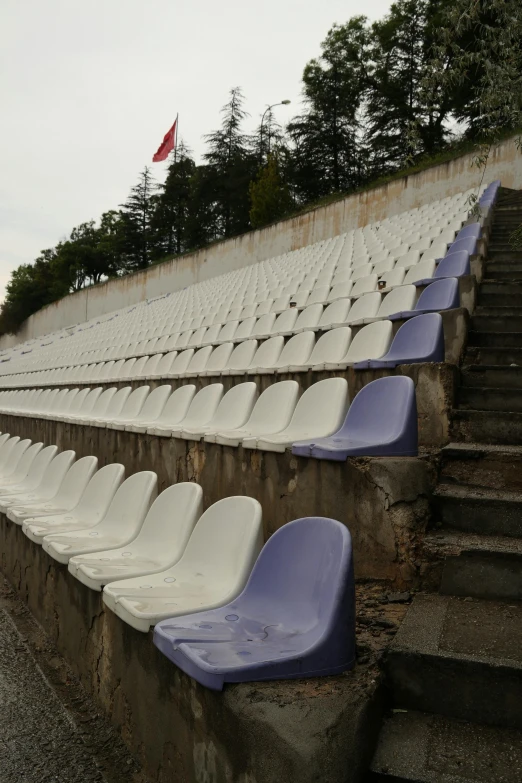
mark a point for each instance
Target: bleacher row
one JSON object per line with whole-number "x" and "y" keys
{"x": 318, "y": 288}
{"x": 224, "y": 607}
{"x": 205, "y": 574}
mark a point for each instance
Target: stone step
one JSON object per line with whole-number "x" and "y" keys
{"x": 504, "y": 253}
{"x": 470, "y": 564}
{"x": 418, "y": 747}
{"x": 496, "y": 376}
{"x": 461, "y": 659}
{"x": 501, "y": 287}
{"x": 500, "y": 357}
{"x": 484, "y": 465}
{"x": 496, "y": 323}
{"x": 493, "y": 427}
{"x": 498, "y": 310}
{"x": 497, "y": 339}
{"x": 477, "y": 509}
{"x": 486, "y": 398}
{"x": 505, "y": 273}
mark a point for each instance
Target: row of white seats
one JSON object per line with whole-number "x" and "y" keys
{"x": 118, "y": 531}
{"x": 272, "y": 421}
{"x": 338, "y": 346}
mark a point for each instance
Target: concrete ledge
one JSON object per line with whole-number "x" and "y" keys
{"x": 295, "y": 731}
{"x": 384, "y": 502}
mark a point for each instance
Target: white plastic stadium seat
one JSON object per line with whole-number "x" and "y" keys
{"x": 233, "y": 411}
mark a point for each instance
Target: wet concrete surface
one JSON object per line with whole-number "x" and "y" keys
{"x": 50, "y": 730}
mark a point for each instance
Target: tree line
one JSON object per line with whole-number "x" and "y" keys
{"x": 380, "y": 97}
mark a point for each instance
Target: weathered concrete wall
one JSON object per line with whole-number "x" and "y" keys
{"x": 357, "y": 210}
{"x": 301, "y": 731}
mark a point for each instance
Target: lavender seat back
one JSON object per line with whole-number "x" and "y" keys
{"x": 441, "y": 295}
{"x": 471, "y": 230}
{"x": 381, "y": 422}
{"x": 295, "y": 617}
{"x": 469, "y": 244}
{"x": 455, "y": 264}
{"x": 420, "y": 339}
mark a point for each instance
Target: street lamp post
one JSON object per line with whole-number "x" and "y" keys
{"x": 268, "y": 108}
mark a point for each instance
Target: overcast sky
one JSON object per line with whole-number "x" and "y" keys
{"x": 88, "y": 89}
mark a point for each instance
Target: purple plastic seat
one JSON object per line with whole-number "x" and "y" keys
{"x": 454, "y": 264}
{"x": 381, "y": 422}
{"x": 440, "y": 295}
{"x": 471, "y": 230}
{"x": 420, "y": 339}
{"x": 295, "y": 617}
{"x": 469, "y": 244}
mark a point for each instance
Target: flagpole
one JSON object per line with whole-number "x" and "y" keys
{"x": 176, "y": 139}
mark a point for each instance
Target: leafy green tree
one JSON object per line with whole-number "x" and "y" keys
{"x": 269, "y": 195}
{"x": 326, "y": 136}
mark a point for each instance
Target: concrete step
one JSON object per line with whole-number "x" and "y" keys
{"x": 490, "y": 399}
{"x": 494, "y": 427}
{"x": 496, "y": 299}
{"x": 496, "y": 467}
{"x": 461, "y": 659}
{"x": 504, "y": 272}
{"x": 417, "y": 747}
{"x": 469, "y": 564}
{"x": 496, "y": 339}
{"x": 504, "y": 253}
{"x": 498, "y": 310}
{"x": 496, "y": 323}
{"x": 496, "y": 376}
{"x": 499, "y": 357}
{"x": 481, "y": 510}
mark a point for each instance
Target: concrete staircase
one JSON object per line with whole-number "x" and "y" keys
{"x": 454, "y": 668}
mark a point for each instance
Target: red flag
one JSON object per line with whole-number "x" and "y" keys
{"x": 167, "y": 145}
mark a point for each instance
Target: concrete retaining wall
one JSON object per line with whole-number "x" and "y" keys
{"x": 301, "y": 731}
{"x": 357, "y": 210}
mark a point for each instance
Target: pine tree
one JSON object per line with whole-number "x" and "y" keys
{"x": 170, "y": 218}
{"x": 136, "y": 217}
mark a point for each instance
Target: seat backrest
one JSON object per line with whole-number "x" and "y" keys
{"x": 364, "y": 285}
{"x": 235, "y": 407}
{"x": 169, "y": 522}
{"x": 245, "y": 328}
{"x": 226, "y": 540}
{"x": 101, "y": 404}
{"x": 177, "y": 405}
{"x": 242, "y": 355}
{"x": 131, "y": 502}
{"x": 309, "y": 317}
{"x": 440, "y": 295}
{"x": 154, "y": 403}
{"x": 423, "y": 269}
{"x": 304, "y": 577}
{"x": 26, "y": 460}
{"x": 264, "y": 324}
{"x": 274, "y": 407}
{"x": 337, "y": 312}
{"x": 165, "y": 363}
{"x": 382, "y": 410}
{"x": 469, "y": 244}
{"x": 401, "y": 298}
{"x": 297, "y": 350}
{"x": 324, "y": 403}
{"x": 203, "y": 406}
{"x": 219, "y": 357}
{"x": 455, "y": 264}
{"x": 331, "y": 346}
{"x": 150, "y": 366}
{"x": 75, "y": 481}
{"x": 268, "y": 352}
{"x": 99, "y": 492}
{"x": 199, "y": 361}
{"x": 285, "y": 321}
{"x": 419, "y": 338}
{"x": 7, "y": 450}
{"x": 39, "y": 465}
{"x": 182, "y": 361}
{"x": 134, "y": 403}
{"x": 15, "y": 456}
{"x": 340, "y": 291}
{"x": 393, "y": 278}
{"x": 53, "y": 474}
{"x": 116, "y": 403}
{"x": 80, "y": 399}
{"x": 227, "y": 331}
{"x": 371, "y": 342}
